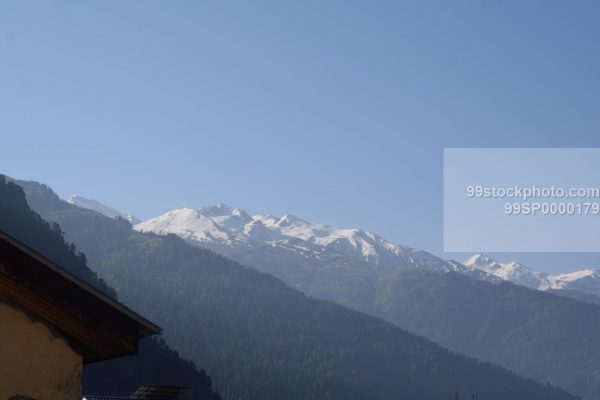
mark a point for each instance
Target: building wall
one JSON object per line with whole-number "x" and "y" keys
{"x": 34, "y": 360}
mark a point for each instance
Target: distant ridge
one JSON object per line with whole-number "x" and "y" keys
{"x": 585, "y": 280}
{"x": 538, "y": 334}
{"x": 101, "y": 208}
{"x": 257, "y": 337}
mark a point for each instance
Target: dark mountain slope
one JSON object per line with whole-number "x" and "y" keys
{"x": 533, "y": 333}
{"x": 548, "y": 337}
{"x": 261, "y": 339}
{"x": 577, "y": 295}
{"x": 155, "y": 362}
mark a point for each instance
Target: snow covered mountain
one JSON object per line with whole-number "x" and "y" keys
{"x": 321, "y": 260}
{"x": 100, "y": 208}
{"x": 586, "y": 280}
{"x": 229, "y": 227}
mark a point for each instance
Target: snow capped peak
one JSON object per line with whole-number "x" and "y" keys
{"x": 224, "y": 225}
{"x": 480, "y": 260}
{"x": 511, "y": 271}
{"x": 233, "y": 219}
{"x": 240, "y": 213}
{"x": 94, "y": 205}
{"x": 222, "y": 210}
{"x": 584, "y": 273}
{"x": 289, "y": 220}
{"x": 579, "y": 279}
{"x": 487, "y": 263}
{"x": 188, "y": 223}
{"x": 179, "y": 212}
{"x": 586, "y": 280}
{"x": 234, "y": 232}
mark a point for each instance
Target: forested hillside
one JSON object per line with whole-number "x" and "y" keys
{"x": 257, "y": 337}
{"x": 408, "y": 287}
{"x": 548, "y": 337}
{"x": 577, "y": 295}
{"x": 155, "y": 361}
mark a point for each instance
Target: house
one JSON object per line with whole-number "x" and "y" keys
{"x": 52, "y": 323}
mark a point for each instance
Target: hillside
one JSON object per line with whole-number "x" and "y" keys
{"x": 155, "y": 361}
{"x": 545, "y": 336}
{"x": 257, "y": 337}
{"x": 540, "y": 335}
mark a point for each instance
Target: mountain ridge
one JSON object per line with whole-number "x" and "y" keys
{"x": 585, "y": 280}
{"x": 227, "y": 230}
{"x": 260, "y": 328}
{"x": 103, "y": 209}
{"x": 155, "y": 361}
{"x": 229, "y": 225}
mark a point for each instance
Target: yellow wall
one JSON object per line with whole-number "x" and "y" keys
{"x": 34, "y": 360}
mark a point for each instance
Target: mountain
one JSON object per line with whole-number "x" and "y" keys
{"x": 577, "y": 295}
{"x": 259, "y": 338}
{"x": 155, "y": 362}
{"x": 322, "y": 261}
{"x": 537, "y": 334}
{"x": 585, "y": 281}
{"x": 101, "y": 208}
{"x": 245, "y": 238}
{"x": 228, "y": 227}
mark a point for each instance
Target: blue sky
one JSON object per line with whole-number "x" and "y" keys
{"x": 333, "y": 111}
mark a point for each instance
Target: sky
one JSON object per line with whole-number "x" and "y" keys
{"x": 336, "y": 111}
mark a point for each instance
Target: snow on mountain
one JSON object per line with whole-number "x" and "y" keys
{"x": 587, "y": 280}
{"x": 234, "y": 227}
{"x": 100, "y": 208}
{"x": 512, "y": 271}
{"x": 299, "y": 251}
{"x": 344, "y": 265}
{"x": 189, "y": 224}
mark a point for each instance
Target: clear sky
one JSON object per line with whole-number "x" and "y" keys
{"x": 334, "y": 111}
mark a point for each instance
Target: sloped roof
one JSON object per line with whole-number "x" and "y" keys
{"x": 97, "y": 326}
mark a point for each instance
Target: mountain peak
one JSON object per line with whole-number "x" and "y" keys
{"x": 217, "y": 210}
{"x": 223, "y": 210}
{"x": 289, "y": 219}
{"x": 182, "y": 211}
{"x": 591, "y": 273}
{"x": 480, "y": 260}
{"x": 105, "y": 210}
{"x": 188, "y": 223}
